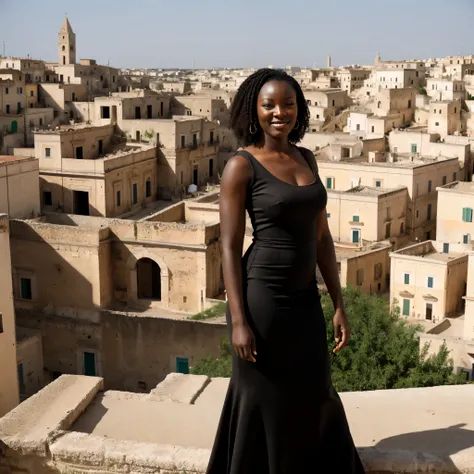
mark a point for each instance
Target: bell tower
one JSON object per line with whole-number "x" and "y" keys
{"x": 66, "y": 44}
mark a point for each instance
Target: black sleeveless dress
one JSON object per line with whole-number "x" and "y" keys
{"x": 281, "y": 414}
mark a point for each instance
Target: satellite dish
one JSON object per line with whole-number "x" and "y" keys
{"x": 192, "y": 188}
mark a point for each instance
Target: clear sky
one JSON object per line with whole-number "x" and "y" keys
{"x": 239, "y": 33}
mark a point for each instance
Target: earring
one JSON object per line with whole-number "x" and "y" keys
{"x": 254, "y": 130}
{"x": 297, "y": 125}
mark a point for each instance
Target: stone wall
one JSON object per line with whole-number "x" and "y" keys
{"x": 128, "y": 348}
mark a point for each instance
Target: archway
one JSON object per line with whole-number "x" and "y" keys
{"x": 148, "y": 279}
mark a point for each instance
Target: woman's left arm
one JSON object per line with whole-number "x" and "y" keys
{"x": 327, "y": 263}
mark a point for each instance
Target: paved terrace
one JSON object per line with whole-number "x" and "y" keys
{"x": 73, "y": 426}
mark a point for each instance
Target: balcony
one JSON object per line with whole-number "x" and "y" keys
{"x": 72, "y": 425}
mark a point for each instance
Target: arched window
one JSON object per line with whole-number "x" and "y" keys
{"x": 379, "y": 104}
{"x": 64, "y": 48}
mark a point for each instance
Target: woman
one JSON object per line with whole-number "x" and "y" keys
{"x": 281, "y": 414}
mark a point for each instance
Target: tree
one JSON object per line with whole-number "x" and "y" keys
{"x": 383, "y": 352}
{"x": 422, "y": 90}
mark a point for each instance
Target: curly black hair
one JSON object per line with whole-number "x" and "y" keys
{"x": 243, "y": 111}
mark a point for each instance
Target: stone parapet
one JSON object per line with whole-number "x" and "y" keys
{"x": 397, "y": 431}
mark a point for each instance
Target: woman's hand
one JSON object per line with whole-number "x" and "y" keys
{"x": 243, "y": 342}
{"x": 342, "y": 332}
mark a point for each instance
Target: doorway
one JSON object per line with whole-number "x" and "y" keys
{"x": 138, "y": 113}
{"x": 429, "y": 311}
{"x": 195, "y": 175}
{"x": 148, "y": 279}
{"x": 81, "y": 202}
{"x": 89, "y": 364}
{"x": 149, "y": 111}
{"x": 182, "y": 365}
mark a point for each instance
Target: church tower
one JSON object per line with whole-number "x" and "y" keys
{"x": 66, "y": 44}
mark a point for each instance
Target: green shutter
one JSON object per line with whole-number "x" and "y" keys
{"x": 406, "y": 279}
{"x": 469, "y": 214}
{"x": 406, "y": 307}
{"x": 430, "y": 282}
{"x": 329, "y": 183}
{"x": 182, "y": 365}
{"x": 355, "y": 218}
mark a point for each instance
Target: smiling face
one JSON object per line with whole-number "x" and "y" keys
{"x": 277, "y": 109}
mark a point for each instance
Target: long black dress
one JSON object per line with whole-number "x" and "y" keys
{"x": 281, "y": 414}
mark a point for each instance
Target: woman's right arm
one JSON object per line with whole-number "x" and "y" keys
{"x": 233, "y": 193}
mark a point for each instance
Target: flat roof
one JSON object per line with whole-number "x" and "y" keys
{"x": 464, "y": 187}
{"x": 12, "y": 158}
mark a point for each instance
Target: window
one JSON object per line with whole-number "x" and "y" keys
{"x": 79, "y": 153}
{"x": 195, "y": 140}
{"x": 211, "y": 138}
{"x": 134, "y": 193}
{"x": 148, "y": 187}
{"x": 47, "y": 152}
{"x": 182, "y": 365}
{"x": 355, "y": 236}
{"x": 406, "y": 307}
{"x": 32, "y": 94}
{"x": 465, "y": 239}
{"x": 6, "y": 89}
{"x": 436, "y": 124}
{"x": 428, "y": 212}
{"x": 377, "y": 271}
{"x": 455, "y": 176}
{"x": 328, "y": 214}
{"x": 25, "y": 289}
{"x": 47, "y": 198}
{"x": 118, "y": 199}
{"x": 378, "y": 184}
{"x": 445, "y": 248}
{"x": 430, "y": 282}
{"x": 414, "y": 148}
{"x": 211, "y": 167}
{"x": 373, "y": 128}
{"x": 360, "y": 276}
{"x": 467, "y": 214}
{"x": 355, "y": 219}
{"x": 105, "y": 112}
{"x": 8, "y": 108}
{"x": 443, "y": 180}
{"x": 330, "y": 183}
{"x": 183, "y": 141}
{"x": 429, "y": 185}
{"x": 406, "y": 278}
{"x": 358, "y": 126}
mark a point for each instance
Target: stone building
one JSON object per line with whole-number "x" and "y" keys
{"x": 394, "y": 78}
{"x": 365, "y": 214}
{"x": 201, "y": 106}
{"x": 352, "y": 79}
{"x": 444, "y": 117}
{"x": 92, "y": 171}
{"x": 9, "y": 392}
{"x": 445, "y": 89}
{"x": 454, "y": 221}
{"x": 428, "y": 281}
{"x": 418, "y": 142}
{"x": 420, "y": 176}
{"x": 111, "y": 297}
{"x": 19, "y": 187}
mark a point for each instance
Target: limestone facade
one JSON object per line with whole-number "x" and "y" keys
{"x": 19, "y": 187}
{"x": 444, "y": 117}
{"x": 92, "y": 171}
{"x": 428, "y": 281}
{"x": 367, "y": 214}
{"x": 454, "y": 223}
{"x": 419, "y": 176}
{"x": 9, "y": 393}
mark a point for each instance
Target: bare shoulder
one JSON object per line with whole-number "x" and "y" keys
{"x": 237, "y": 170}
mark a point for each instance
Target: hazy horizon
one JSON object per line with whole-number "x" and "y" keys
{"x": 218, "y": 33}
